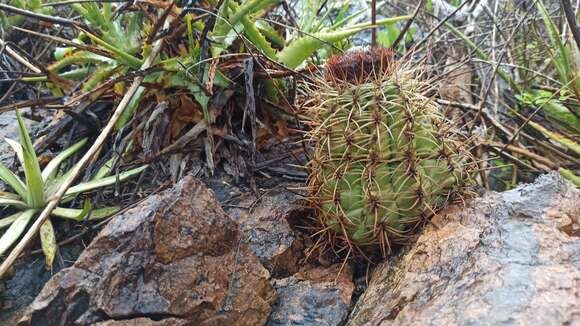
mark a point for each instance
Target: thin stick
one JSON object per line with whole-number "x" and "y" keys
{"x": 41, "y": 17}
{"x": 571, "y": 19}
{"x": 495, "y": 71}
{"x": 524, "y": 152}
{"x": 374, "y": 23}
{"x": 407, "y": 26}
{"x": 17, "y": 57}
{"x": 420, "y": 43}
{"x": 82, "y": 163}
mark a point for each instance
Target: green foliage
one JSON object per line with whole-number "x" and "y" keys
{"x": 40, "y": 186}
{"x": 122, "y": 33}
{"x": 116, "y": 47}
{"x": 30, "y": 5}
{"x": 388, "y": 36}
{"x": 502, "y": 173}
{"x": 570, "y": 176}
{"x": 557, "y": 58}
{"x": 552, "y": 106}
{"x": 311, "y": 36}
{"x": 429, "y": 5}
{"x": 559, "y": 53}
{"x": 301, "y": 48}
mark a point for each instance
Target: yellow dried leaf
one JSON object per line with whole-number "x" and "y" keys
{"x": 48, "y": 242}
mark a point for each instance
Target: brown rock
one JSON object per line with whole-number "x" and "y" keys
{"x": 177, "y": 257}
{"x": 264, "y": 224}
{"x": 503, "y": 260}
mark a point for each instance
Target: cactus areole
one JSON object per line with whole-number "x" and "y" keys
{"x": 384, "y": 157}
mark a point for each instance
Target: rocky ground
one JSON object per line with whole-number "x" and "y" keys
{"x": 182, "y": 257}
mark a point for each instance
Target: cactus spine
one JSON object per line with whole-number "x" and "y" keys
{"x": 384, "y": 156}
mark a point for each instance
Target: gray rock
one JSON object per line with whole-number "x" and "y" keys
{"x": 9, "y": 129}
{"x": 316, "y": 297}
{"x": 264, "y": 224}
{"x": 511, "y": 258}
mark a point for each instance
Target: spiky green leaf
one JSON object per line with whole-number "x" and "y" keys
{"x": 15, "y": 230}
{"x": 8, "y": 201}
{"x": 570, "y": 176}
{"x": 79, "y": 214}
{"x": 300, "y": 49}
{"x": 17, "y": 148}
{"x": 6, "y": 221}
{"x": 34, "y": 181}
{"x": 51, "y": 168}
{"x": 13, "y": 181}
{"x": 95, "y": 184}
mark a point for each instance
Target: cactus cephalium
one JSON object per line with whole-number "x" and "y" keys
{"x": 384, "y": 157}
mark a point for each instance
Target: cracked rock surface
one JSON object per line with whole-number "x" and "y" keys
{"x": 315, "y": 296}
{"x": 510, "y": 258}
{"x": 264, "y": 226}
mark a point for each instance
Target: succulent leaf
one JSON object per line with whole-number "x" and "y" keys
{"x": 15, "y": 230}
{"x": 34, "y": 183}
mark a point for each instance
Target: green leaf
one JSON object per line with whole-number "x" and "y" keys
{"x": 300, "y": 49}
{"x": 48, "y": 243}
{"x": 248, "y": 7}
{"x": 17, "y": 149}
{"x": 562, "y": 59}
{"x": 51, "y": 168}
{"x": 7, "y": 201}
{"x": 429, "y": 6}
{"x": 6, "y": 221}
{"x": 81, "y": 58}
{"x": 13, "y": 181}
{"x": 15, "y": 230}
{"x": 131, "y": 107}
{"x": 341, "y": 18}
{"x": 565, "y": 141}
{"x": 9, "y": 195}
{"x": 34, "y": 181}
{"x": 105, "y": 169}
{"x": 270, "y": 33}
{"x": 100, "y": 74}
{"x": 552, "y": 106}
{"x": 387, "y": 37}
{"x": 79, "y": 214}
{"x": 94, "y": 184}
{"x": 570, "y": 176}
{"x": 118, "y": 54}
{"x": 74, "y": 213}
{"x": 257, "y": 38}
{"x": 222, "y": 27}
{"x": 51, "y": 185}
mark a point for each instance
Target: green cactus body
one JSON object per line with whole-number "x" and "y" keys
{"x": 384, "y": 157}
